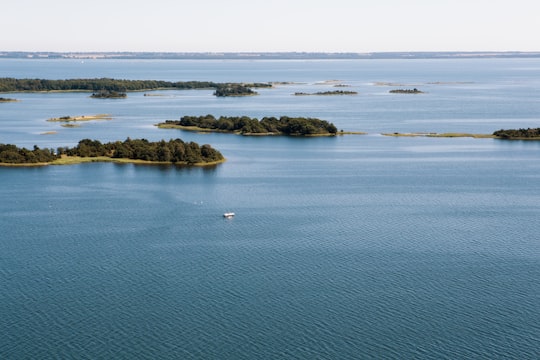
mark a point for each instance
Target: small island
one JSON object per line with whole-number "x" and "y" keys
{"x": 109, "y": 94}
{"x": 67, "y": 119}
{"x": 518, "y": 134}
{"x": 406, "y": 91}
{"x": 327, "y": 93}
{"x": 3, "y": 99}
{"x": 140, "y": 151}
{"x": 234, "y": 90}
{"x": 244, "y": 125}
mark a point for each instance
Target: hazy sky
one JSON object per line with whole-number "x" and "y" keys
{"x": 270, "y": 25}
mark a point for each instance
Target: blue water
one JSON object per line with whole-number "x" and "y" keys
{"x": 341, "y": 248}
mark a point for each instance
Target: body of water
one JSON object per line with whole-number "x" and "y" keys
{"x": 350, "y": 247}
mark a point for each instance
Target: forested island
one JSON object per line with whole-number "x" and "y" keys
{"x": 109, "y": 94}
{"x": 234, "y": 90}
{"x": 107, "y": 88}
{"x": 327, "y": 93}
{"x": 293, "y": 126}
{"x": 131, "y": 150}
{"x": 518, "y": 134}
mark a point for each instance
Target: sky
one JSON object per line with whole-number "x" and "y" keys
{"x": 270, "y": 25}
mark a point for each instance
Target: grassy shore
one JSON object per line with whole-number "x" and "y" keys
{"x": 69, "y": 160}
{"x": 72, "y": 160}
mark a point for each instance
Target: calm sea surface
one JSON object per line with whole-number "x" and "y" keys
{"x": 353, "y": 247}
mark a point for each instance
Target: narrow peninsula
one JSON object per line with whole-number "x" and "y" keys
{"x": 140, "y": 151}
{"x": 244, "y": 125}
{"x": 440, "y": 135}
{"x": 509, "y": 134}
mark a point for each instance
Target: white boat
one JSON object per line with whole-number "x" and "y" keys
{"x": 228, "y": 215}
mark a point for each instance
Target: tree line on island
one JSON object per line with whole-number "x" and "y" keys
{"x": 295, "y": 126}
{"x": 528, "y": 133}
{"x": 173, "y": 151}
{"x": 11, "y": 154}
{"x": 119, "y": 86}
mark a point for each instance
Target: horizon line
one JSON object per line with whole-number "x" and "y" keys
{"x": 265, "y": 54}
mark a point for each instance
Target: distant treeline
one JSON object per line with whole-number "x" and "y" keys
{"x": 172, "y": 151}
{"x": 107, "y": 84}
{"x": 518, "y": 133}
{"x": 246, "y": 125}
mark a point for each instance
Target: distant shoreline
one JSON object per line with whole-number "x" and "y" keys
{"x": 81, "y": 55}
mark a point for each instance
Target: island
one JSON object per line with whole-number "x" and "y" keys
{"x": 116, "y": 88}
{"x": 3, "y": 99}
{"x": 518, "y": 134}
{"x": 234, "y": 90}
{"x": 140, "y": 151}
{"x": 67, "y": 119}
{"x": 244, "y": 125}
{"x": 327, "y": 93}
{"x": 109, "y": 94}
{"x": 406, "y": 91}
